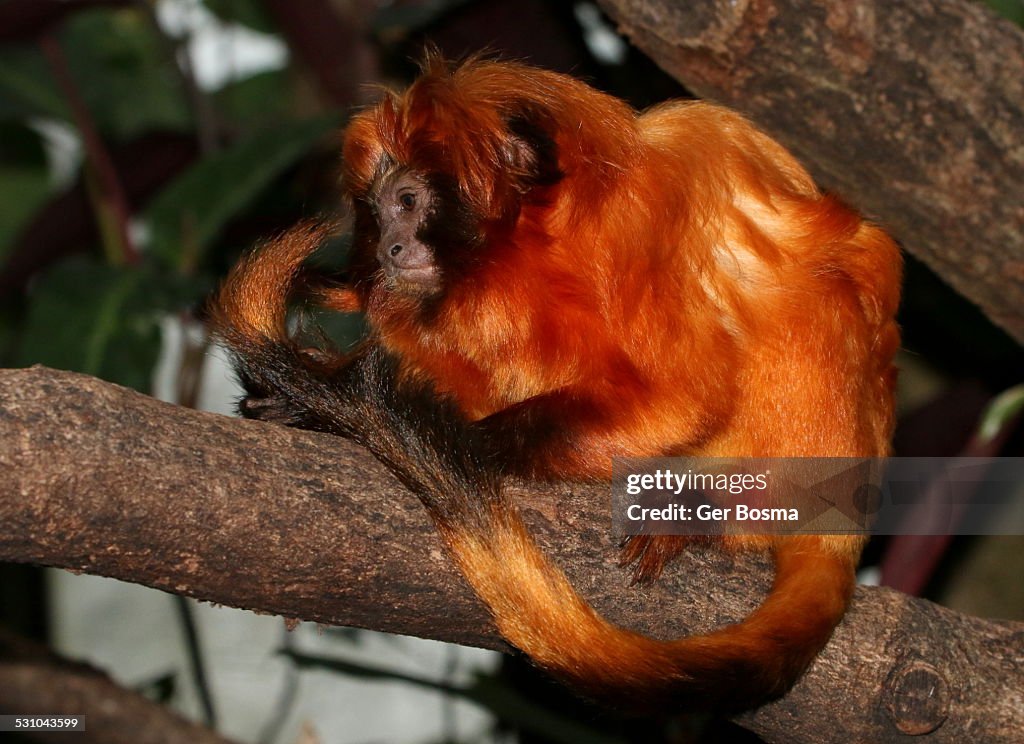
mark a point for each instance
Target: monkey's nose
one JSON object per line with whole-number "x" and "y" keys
{"x": 395, "y": 250}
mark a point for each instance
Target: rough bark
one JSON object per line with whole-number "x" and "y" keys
{"x": 99, "y": 479}
{"x": 911, "y": 109}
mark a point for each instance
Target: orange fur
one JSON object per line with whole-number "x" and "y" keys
{"x": 685, "y": 204}
{"x": 683, "y": 288}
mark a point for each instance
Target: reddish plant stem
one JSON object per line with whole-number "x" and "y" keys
{"x": 111, "y": 193}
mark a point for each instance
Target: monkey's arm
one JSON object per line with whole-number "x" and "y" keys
{"x": 309, "y": 389}
{"x": 547, "y": 436}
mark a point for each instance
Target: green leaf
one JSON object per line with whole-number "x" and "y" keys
{"x": 101, "y": 320}
{"x": 1000, "y": 413}
{"x": 24, "y": 179}
{"x": 27, "y": 87}
{"x": 119, "y": 66}
{"x": 249, "y": 13}
{"x": 263, "y": 98}
{"x": 1012, "y": 9}
{"x": 188, "y": 215}
{"x": 124, "y": 72}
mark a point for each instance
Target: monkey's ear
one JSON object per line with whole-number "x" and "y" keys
{"x": 531, "y": 151}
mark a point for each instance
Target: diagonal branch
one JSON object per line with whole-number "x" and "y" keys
{"x": 911, "y": 109}
{"x": 97, "y": 478}
{"x": 36, "y": 682}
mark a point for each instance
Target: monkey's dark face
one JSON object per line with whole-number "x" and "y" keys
{"x": 435, "y": 204}
{"x": 402, "y": 204}
{"x": 424, "y": 236}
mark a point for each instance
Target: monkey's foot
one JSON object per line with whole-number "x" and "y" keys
{"x": 649, "y": 554}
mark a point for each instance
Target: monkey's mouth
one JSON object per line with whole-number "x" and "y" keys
{"x": 418, "y": 280}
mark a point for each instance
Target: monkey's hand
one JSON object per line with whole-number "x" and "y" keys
{"x": 275, "y": 408}
{"x": 292, "y": 386}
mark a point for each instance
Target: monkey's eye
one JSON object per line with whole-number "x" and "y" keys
{"x": 407, "y": 200}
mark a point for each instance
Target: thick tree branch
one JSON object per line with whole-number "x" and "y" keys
{"x": 911, "y": 109}
{"x": 100, "y": 479}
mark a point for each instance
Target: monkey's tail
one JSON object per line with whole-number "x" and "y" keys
{"x": 250, "y": 317}
{"x": 431, "y": 449}
{"x": 731, "y": 669}
{"x": 536, "y": 608}
{"x": 252, "y": 306}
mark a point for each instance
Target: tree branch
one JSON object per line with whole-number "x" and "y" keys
{"x": 34, "y": 681}
{"x": 912, "y": 109}
{"x": 97, "y": 478}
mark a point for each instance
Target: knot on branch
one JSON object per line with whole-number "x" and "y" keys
{"x": 916, "y": 695}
